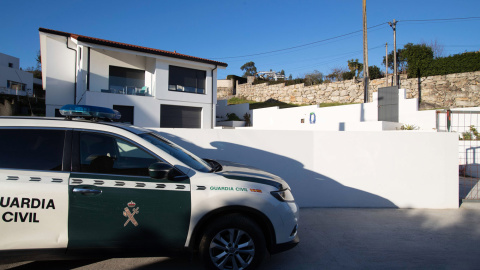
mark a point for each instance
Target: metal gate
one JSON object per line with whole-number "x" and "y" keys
{"x": 466, "y": 125}
{"x": 388, "y": 104}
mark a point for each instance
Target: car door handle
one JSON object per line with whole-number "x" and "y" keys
{"x": 83, "y": 190}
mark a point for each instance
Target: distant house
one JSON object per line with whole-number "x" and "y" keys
{"x": 150, "y": 87}
{"x": 14, "y": 81}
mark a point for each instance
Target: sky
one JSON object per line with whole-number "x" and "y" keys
{"x": 297, "y": 36}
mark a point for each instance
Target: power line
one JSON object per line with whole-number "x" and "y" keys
{"x": 336, "y": 37}
{"x": 445, "y": 19}
{"x": 299, "y": 46}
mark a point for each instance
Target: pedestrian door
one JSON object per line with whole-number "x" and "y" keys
{"x": 388, "y": 104}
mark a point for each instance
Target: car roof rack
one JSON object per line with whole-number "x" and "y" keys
{"x": 93, "y": 113}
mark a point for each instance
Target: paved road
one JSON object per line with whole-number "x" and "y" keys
{"x": 346, "y": 239}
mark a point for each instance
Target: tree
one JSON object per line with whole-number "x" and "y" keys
{"x": 316, "y": 77}
{"x": 336, "y": 74}
{"x": 375, "y": 73}
{"x": 355, "y": 67}
{"x": 419, "y": 58}
{"x": 401, "y": 61}
{"x": 249, "y": 68}
{"x": 36, "y": 71}
{"x": 348, "y": 75}
{"x": 290, "y": 77}
{"x": 282, "y": 72}
{"x": 437, "y": 48}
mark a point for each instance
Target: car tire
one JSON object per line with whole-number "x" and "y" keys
{"x": 232, "y": 242}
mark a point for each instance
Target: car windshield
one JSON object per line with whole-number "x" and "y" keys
{"x": 177, "y": 152}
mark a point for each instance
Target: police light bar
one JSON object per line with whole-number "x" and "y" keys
{"x": 86, "y": 111}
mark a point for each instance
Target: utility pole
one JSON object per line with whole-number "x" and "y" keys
{"x": 365, "y": 53}
{"x": 394, "y": 27}
{"x": 386, "y": 64}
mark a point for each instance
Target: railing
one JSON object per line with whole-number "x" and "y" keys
{"x": 466, "y": 124}
{"x": 134, "y": 91}
{"x": 15, "y": 92}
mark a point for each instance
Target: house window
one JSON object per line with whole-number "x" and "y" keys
{"x": 126, "y": 112}
{"x": 186, "y": 80}
{"x": 16, "y": 85}
{"x": 10, "y": 65}
{"x": 125, "y": 80}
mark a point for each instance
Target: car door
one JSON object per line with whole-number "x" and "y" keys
{"x": 113, "y": 203}
{"x": 34, "y": 188}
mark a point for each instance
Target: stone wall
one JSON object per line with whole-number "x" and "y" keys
{"x": 225, "y": 89}
{"x": 454, "y": 90}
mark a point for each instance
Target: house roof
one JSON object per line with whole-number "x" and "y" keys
{"x": 132, "y": 47}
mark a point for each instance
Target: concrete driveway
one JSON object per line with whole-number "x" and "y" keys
{"x": 345, "y": 239}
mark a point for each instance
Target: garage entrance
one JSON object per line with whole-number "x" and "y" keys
{"x": 172, "y": 116}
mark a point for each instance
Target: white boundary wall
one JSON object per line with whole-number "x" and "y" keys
{"x": 355, "y": 117}
{"x": 402, "y": 169}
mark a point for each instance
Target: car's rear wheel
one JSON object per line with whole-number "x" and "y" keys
{"x": 232, "y": 242}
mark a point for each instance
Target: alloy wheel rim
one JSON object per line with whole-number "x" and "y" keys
{"x": 232, "y": 249}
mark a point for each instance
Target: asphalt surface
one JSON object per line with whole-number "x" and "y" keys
{"x": 345, "y": 239}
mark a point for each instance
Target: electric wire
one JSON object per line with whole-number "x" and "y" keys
{"x": 299, "y": 46}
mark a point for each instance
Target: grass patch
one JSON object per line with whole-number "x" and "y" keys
{"x": 274, "y": 103}
{"x": 260, "y": 105}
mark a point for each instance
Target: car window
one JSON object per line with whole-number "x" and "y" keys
{"x": 33, "y": 149}
{"x": 100, "y": 153}
{"x": 177, "y": 152}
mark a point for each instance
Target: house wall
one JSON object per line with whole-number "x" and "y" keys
{"x": 102, "y": 59}
{"x": 342, "y": 169}
{"x": 13, "y": 73}
{"x": 146, "y": 109}
{"x": 58, "y": 72}
{"x": 5, "y": 59}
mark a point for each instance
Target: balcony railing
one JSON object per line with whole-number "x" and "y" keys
{"x": 16, "y": 92}
{"x": 129, "y": 90}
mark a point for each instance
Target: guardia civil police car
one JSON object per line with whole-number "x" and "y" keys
{"x": 90, "y": 187}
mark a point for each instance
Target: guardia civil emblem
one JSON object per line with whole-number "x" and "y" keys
{"x": 130, "y": 214}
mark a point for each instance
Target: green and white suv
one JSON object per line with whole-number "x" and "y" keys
{"x": 87, "y": 188}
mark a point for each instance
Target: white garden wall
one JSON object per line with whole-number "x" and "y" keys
{"x": 354, "y": 117}
{"x": 342, "y": 169}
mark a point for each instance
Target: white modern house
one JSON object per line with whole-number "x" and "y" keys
{"x": 14, "y": 81}
{"x": 150, "y": 87}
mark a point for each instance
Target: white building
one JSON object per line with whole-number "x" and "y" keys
{"x": 14, "y": 81}
{"x": 150, "y": 87}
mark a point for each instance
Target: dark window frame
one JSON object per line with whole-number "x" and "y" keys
{"x": 187, "y": 80}
{"x": 23, "y": 85}
{"x": 113, "y": 71}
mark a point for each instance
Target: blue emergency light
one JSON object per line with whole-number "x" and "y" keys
{"x": 89, "y": 112}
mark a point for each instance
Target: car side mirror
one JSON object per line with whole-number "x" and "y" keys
{"x": 160, "y": 170}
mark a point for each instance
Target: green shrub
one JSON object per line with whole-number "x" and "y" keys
{"x": 233, "y": 117}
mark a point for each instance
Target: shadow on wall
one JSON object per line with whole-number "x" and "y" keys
{"x": 310, "y": 188}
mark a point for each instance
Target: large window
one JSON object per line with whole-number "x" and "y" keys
{"x": 16, "y": 85}
{"x": 186, "y": 80}
{"x": 125, "y": 80}
{"x": 32, "y": 149}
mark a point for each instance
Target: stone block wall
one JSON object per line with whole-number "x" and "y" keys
{"x": 225, "y": 89}
{"x": 453, "y": 90}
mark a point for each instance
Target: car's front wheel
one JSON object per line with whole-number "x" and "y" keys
{"x": 232, "y": 242}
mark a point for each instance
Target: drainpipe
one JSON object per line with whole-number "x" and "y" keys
{"x": 75, "y": 73}
{"x": 213, "y": 108}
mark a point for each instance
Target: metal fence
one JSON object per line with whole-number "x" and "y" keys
{"x": 466, "y": 124}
